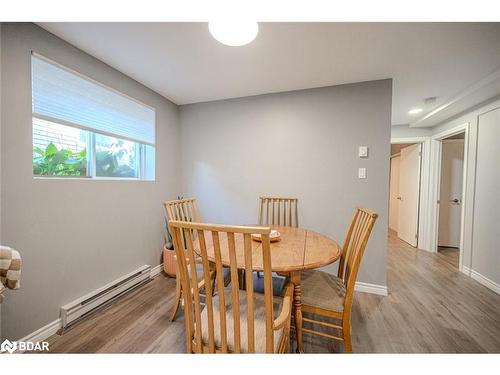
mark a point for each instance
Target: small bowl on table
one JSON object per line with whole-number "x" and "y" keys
{"x": 274, "y": 236}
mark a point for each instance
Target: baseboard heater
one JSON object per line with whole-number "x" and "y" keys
{"x": 85, "y": 305}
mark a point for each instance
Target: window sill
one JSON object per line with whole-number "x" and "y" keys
{"x": 90, "y": 178}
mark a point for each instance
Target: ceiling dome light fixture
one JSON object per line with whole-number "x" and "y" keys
{"x": 234, "y": 33}
{"x": 414, "y": 111}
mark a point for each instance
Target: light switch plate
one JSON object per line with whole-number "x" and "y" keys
{"x": 361, "y": 172}
{"x": 363, "y": 151}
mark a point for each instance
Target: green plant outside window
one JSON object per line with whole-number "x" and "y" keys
{"x": 59, "y": 162}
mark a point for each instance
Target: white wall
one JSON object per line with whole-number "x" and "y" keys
{"x": 486, "y": 228}
{"x": 394, "y": 193}
{"x": 404, "y": 131}
{"x": 301, "y": 143}
{"x": 74, "y": 235}
{"x": 479, "y": 258}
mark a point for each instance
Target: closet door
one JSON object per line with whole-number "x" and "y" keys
{"x": 409, "y": 186}
{"x": 394, "y": 194}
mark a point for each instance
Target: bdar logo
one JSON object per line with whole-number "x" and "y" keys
{"x": 24, "y": 346}
{"x": 8, "y": 346}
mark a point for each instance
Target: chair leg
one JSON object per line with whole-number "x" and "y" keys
{"x": 287, "y": 349}
{"x": 346, "y": 331}
{"x": 213, "y": 283}
{"x": 258, "y": 274}
{"x": 178, "y": 298}
{"x": 227, "y": 279}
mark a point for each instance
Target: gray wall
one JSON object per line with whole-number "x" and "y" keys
{"x": 486, "y": 234}
{"x": 74, "y": 235}
{"x": 301, "y": 143}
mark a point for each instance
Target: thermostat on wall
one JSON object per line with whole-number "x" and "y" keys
{"x": 363, "y": 151}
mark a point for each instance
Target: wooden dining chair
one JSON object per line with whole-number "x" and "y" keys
{"x": 281, "y": 211}
{"x": 180, "y": 210}
{"x": 331, "y": 296}
{"x": 232, "y": 320}
{"x": 278, "y": 211}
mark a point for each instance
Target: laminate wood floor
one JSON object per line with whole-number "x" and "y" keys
{"x": 431, "y": 308}
{"x": 450, "y": 254}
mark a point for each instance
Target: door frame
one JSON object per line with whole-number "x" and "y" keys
{"x": 449, "y": 141}
{"x": 423, "y": 228}
{"x": 435, "y": 185}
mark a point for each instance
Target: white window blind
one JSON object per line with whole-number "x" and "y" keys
{"x": 60, "y": 95}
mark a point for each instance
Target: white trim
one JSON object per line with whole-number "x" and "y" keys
{"x": 43, "y": 333}
{"x": 50, "y": 329}
{"x": 156, "y": 270}
{"x": 401, "y": 140}
{"x": 466, "y": 92}
{"x": 465, "y": 270}
{"x": 380, "y": 290}
{"x": 453, "y": 140}
{"x": 481, "y": 279}
{"x": 450, "y": 132}
{"x": 79, "y": 178}
{"x": 424, "y": 241}
{"x": 435, "y": 182}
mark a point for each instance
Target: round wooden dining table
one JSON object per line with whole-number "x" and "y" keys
{"x": 297, "y": 250}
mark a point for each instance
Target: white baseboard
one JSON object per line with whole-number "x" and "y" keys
{"x": 380, "y": 290}
{"x": 465, "y": 270}
{"x": 483, "y": 280}
{"x": 51, "y": 329}
{"x": 156, "y": 270}
{"x": 43, "y": 333}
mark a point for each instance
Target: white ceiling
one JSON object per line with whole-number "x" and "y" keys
{"x": 182, "y": 62}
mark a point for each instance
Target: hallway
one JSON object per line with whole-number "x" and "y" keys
{"x": 431, "y": 308}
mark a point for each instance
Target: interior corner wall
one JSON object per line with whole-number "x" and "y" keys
{"x": 74, "y": 235}
{"x": 301, "y": 143}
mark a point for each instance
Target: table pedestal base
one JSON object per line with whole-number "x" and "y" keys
{"x": 297, "y": 308}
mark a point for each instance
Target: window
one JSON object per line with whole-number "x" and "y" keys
{"x": 59, "y": 150}
{"x": 115, "y": 157}
{"x": 83, "y": 129}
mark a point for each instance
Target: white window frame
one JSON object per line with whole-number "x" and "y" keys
{"x": 140, "y": 152}
{"x": 91, "y": 154}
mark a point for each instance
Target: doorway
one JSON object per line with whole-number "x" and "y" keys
{"x": 450, "y": 197}
{"x": 404, "y": 191}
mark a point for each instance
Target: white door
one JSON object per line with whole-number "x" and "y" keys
{"x": 409, "y": 186}
{"x": 394, "y": 194}
{"x": 450, "y": 196}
